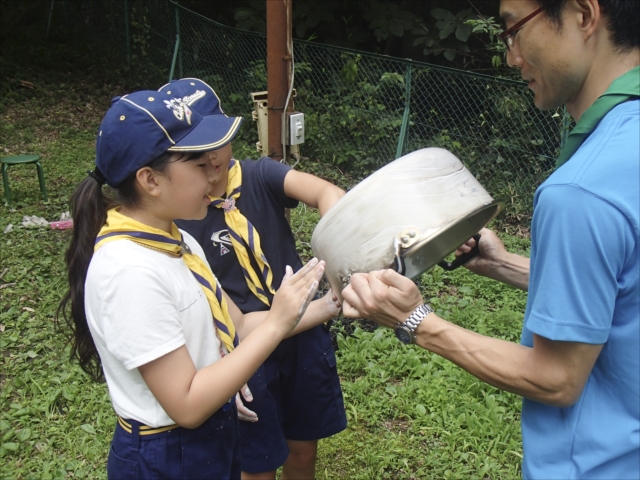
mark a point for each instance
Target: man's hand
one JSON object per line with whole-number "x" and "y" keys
{"x": 495, "y": 262}
{"x": 491, "y": 252}
{"x": 384, "y": 296}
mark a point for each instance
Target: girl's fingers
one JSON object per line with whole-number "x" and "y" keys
{"x": 299, "y": 289}
{"x": 313, "y": 288}
{"x": 288, "y": 273}
{"x": 306, "y": 269}
{"x": 310, "y": 272}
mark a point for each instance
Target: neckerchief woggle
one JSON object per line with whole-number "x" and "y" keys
{"x": 243, "y": 234}
{"x": 624, "y": 88}
{"x": 121, "y": 227}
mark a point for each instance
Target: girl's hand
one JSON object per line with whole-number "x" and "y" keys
{"x": 295, "y": 293}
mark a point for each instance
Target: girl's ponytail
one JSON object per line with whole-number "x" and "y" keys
{"x": 89, "y": 211}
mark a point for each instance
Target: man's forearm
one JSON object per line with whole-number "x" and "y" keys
{"x": 513, "y": 270}
{"x": 543, "y": 375}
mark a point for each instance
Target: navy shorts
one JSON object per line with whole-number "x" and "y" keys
{"x": 297, "y": 396}
{"x": 209, "y": 451}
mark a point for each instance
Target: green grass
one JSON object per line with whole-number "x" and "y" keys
{"x": 411, "y": 413}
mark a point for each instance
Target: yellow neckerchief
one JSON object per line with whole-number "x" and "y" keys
{"x": 121, "y": 227}
{"x": 244, "y": 234}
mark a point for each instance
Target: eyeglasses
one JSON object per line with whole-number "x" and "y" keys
{"x": 510, "y": 33}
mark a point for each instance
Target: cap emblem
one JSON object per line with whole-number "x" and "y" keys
{"x": 180, "y": 106}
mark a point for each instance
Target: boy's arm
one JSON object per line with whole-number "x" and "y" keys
{"x": 318, "y": 312}
{"x": 311, "y": 190}
{"x": 245, "y": 323}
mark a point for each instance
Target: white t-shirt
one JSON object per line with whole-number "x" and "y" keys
{"x": 142, "y": 304}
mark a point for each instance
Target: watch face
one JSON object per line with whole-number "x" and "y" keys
{"x": 403, "y": 335}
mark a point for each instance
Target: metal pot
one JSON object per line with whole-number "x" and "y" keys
{"x": 409, "y": 215}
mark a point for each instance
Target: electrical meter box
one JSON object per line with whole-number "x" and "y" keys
{"x": 260, "y": 116}
{"x": 295, "y": 130}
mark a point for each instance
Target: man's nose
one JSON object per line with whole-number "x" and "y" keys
{"x": 514, "y": 59}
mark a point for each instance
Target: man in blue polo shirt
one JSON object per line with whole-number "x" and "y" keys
{"x": 578, "y": 364}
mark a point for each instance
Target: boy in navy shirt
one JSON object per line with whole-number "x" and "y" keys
{"x": 248, "y": 242}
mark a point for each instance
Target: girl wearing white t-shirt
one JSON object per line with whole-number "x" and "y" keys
{"x": 146, "y": 310}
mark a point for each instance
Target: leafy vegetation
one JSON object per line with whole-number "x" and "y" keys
{"x": 418, "y": 30}
{"x": 411, "y": 413}
{"x": 356, "y": 106}
{"x": 55, "y": 422}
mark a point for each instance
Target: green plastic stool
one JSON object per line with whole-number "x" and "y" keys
{"x": 21, "y": 160}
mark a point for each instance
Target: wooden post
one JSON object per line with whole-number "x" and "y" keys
{"x": 278, "y": 64}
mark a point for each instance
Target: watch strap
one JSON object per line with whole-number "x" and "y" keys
{"x": 417, "y": 316}
{"x": 405, "y": 330}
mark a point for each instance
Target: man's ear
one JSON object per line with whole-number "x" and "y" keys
{"x": 590, "y": 16}
{"x": 148, "y": 181}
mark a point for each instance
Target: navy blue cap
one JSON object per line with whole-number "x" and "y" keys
{"x": 141, "y": 126}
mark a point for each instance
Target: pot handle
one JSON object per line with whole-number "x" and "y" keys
{"x": 398, "y": 263}
{"x": 464, "y": 258}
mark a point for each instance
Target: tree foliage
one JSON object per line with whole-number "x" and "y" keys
{"x": 456, "y": 33}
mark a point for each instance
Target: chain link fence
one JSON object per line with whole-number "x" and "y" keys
{"x": 361, "y": 110}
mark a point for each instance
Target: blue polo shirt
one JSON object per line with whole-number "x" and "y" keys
{"x": 262, "y": 202}
{"x": 584, "y": 287}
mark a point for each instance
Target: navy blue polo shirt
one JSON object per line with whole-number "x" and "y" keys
{"x": 263, "y": 203}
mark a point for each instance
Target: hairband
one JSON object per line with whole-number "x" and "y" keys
{"x": 97, "y": 176}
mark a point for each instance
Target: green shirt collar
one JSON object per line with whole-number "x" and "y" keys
{"x": 624, "y": 88}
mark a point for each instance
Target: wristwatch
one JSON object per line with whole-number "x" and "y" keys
{"x": 404, "y": 330}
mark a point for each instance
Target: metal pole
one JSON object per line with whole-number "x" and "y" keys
{"x": 50, "y": 15}
{"x": 126, "y": 32}
{"x": 175, "y": 55}
{"x": 404, "y": 129}
{"x": 176, "y": 49}
{"x": 179, "y": 49}
{"x": 277, "y": 71}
